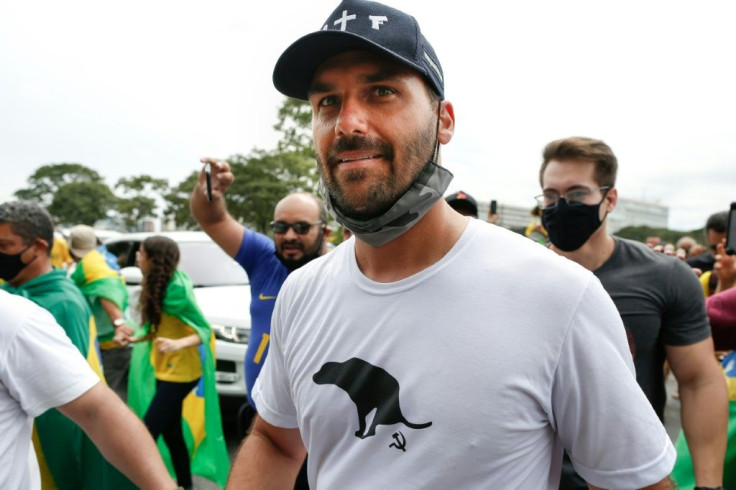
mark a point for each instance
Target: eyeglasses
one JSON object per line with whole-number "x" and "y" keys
{"x": 574, "y": 197}
{"x": 300, "y": 227}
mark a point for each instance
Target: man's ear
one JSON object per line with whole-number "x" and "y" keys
{"x": 326, "y": 231}
{"x": 611, "y": 199}
{"x": 43, "y": 245}
{"x": 447, "y": 122}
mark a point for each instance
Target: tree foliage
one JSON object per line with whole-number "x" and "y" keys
{"x": 140, "y": 198}
{"x": 640, "y": 234}
{"x": 262, "y": 179}
{"x": 295, "y": 124}
{"x": 77, "y": 194}
{"x": 82, "y": 203}
{"x": 46, "y": 181}
{"x": 177, "y": 203}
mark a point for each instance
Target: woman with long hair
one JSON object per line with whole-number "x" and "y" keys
{"x": 175, "y": 347}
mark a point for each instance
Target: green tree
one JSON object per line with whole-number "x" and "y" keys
{"x": 140, "y": 198}
{"x": 263, "y": 178}
{"x": 177, "y": 203}
{"x": 640, "y": 233}
{"x": 295, "y": 125}
{"x": 82, "y": 203}
{"x": 45, "y": 182}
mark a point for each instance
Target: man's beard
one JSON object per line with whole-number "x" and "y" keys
{"x": 294, "y": 264}
{"x": 385, "y": 193}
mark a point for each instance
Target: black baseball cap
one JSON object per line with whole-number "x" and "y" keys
{"x": 463, "y": 201}
{"x": 358, "y": 25}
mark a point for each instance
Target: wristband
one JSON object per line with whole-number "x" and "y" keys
{"x": 118, "y": 322}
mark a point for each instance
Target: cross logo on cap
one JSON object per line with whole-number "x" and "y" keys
{"x": 344, "y": 19}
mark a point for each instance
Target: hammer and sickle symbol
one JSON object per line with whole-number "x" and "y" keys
{"x": 400, "y": 441}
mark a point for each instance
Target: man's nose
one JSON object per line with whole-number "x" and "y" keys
{"x": 291, "y": 234}
{"x": 352, "y": 119}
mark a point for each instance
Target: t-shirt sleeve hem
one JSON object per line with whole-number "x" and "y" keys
{"x": 270, "y": 415}
{"x": 641, "y": 476}
{"x": 69, "y": 394}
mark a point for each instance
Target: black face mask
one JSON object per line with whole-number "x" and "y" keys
{"x": 11, "y": 265}
{"x": 569, "y": 227}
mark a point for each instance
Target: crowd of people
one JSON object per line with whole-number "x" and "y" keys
{"x": 430, "y": 349}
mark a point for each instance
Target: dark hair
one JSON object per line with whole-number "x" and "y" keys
{"x": 163, "y": 257}
{"x": 581, "y": 148}
{"x": 29, "y": 221}
{"x": 717, "y": 222}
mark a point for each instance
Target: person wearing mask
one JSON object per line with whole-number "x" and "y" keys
{"x": 658, "y": 296}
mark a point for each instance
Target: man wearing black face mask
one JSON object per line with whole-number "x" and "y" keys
{"x": 658, "y": 297}
{"x": 300, "y": 231}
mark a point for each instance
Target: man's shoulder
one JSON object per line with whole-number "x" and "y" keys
{"x": 517, "y": 252}
{"x": 18, "y": 311}
{"x": 630, "y": 253}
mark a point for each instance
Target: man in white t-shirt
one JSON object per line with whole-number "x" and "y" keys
{"x": 413, "y": 356}
{"x": 41, "y": 369}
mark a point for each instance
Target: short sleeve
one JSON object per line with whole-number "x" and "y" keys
{"x": 603, "y": 419}
{"x": 42, "y": 368}
{"x": 684, "y": 321}
{"x": 253, "y": 249}
{"x": 271, "y": 392}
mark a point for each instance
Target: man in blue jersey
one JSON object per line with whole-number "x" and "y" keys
{"x": 299, "y": 230}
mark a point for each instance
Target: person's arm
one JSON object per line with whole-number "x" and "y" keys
{"x": 123, "y": 332}
{"x": 120, "y": 436}
{"x": 724, "y": 268}
{"x": 165, "y": 345}
{"x": 213, "y": 216}
{"x": 704, "y": 414}
{"x": 664, "y": 484}
{"x": 270, "y": 458}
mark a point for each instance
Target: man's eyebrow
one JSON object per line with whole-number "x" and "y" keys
{"x": 383, "y": 76}
{"x": 571, "y": 188}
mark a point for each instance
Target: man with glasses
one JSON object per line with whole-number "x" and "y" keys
{"x": 658, "y": 297}
{"x": 299, "y": 231}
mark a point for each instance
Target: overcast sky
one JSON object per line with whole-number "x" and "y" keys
{"x": 150, "y": 87}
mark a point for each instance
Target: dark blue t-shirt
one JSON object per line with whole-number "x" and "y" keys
{"x": 257, "y": 255}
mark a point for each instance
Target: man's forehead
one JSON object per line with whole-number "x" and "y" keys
{"x": 297, "y": 205}
{"x": 6, "y": 231}
{"x": 569, "y": 173}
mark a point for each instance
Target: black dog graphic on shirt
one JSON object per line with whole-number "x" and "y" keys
{"x": 369, "y": 387}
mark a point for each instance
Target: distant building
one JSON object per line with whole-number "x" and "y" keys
{"x": 628, "y": 212}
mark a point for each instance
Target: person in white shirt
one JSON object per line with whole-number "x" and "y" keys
{"x": 41, "y": 369}
{"x": 432, "y": 350}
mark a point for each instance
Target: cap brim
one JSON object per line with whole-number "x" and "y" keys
{"x": 293, "y": 73}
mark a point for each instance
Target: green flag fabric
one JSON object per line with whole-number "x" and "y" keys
{"x": 67, "y": 458}
{"x": 97, "y": 280}
{"x": 201, "y": 420}
{"x": 683, "y": 472}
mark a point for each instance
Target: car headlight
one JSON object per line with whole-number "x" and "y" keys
{"x": 231, "y": 334}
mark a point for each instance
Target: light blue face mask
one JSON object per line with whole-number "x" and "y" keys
{"x": 428, "y": 188}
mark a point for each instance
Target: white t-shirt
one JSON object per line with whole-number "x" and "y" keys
{"x": 510, "y": 351}
{"x": 39, "y": 369}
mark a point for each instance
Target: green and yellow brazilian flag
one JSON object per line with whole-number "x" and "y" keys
{"x": 683, "y": 472}
{"x": 67, "y": 458}
{"x": 201, "y": 422}
{"x": 97, "y": 280}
